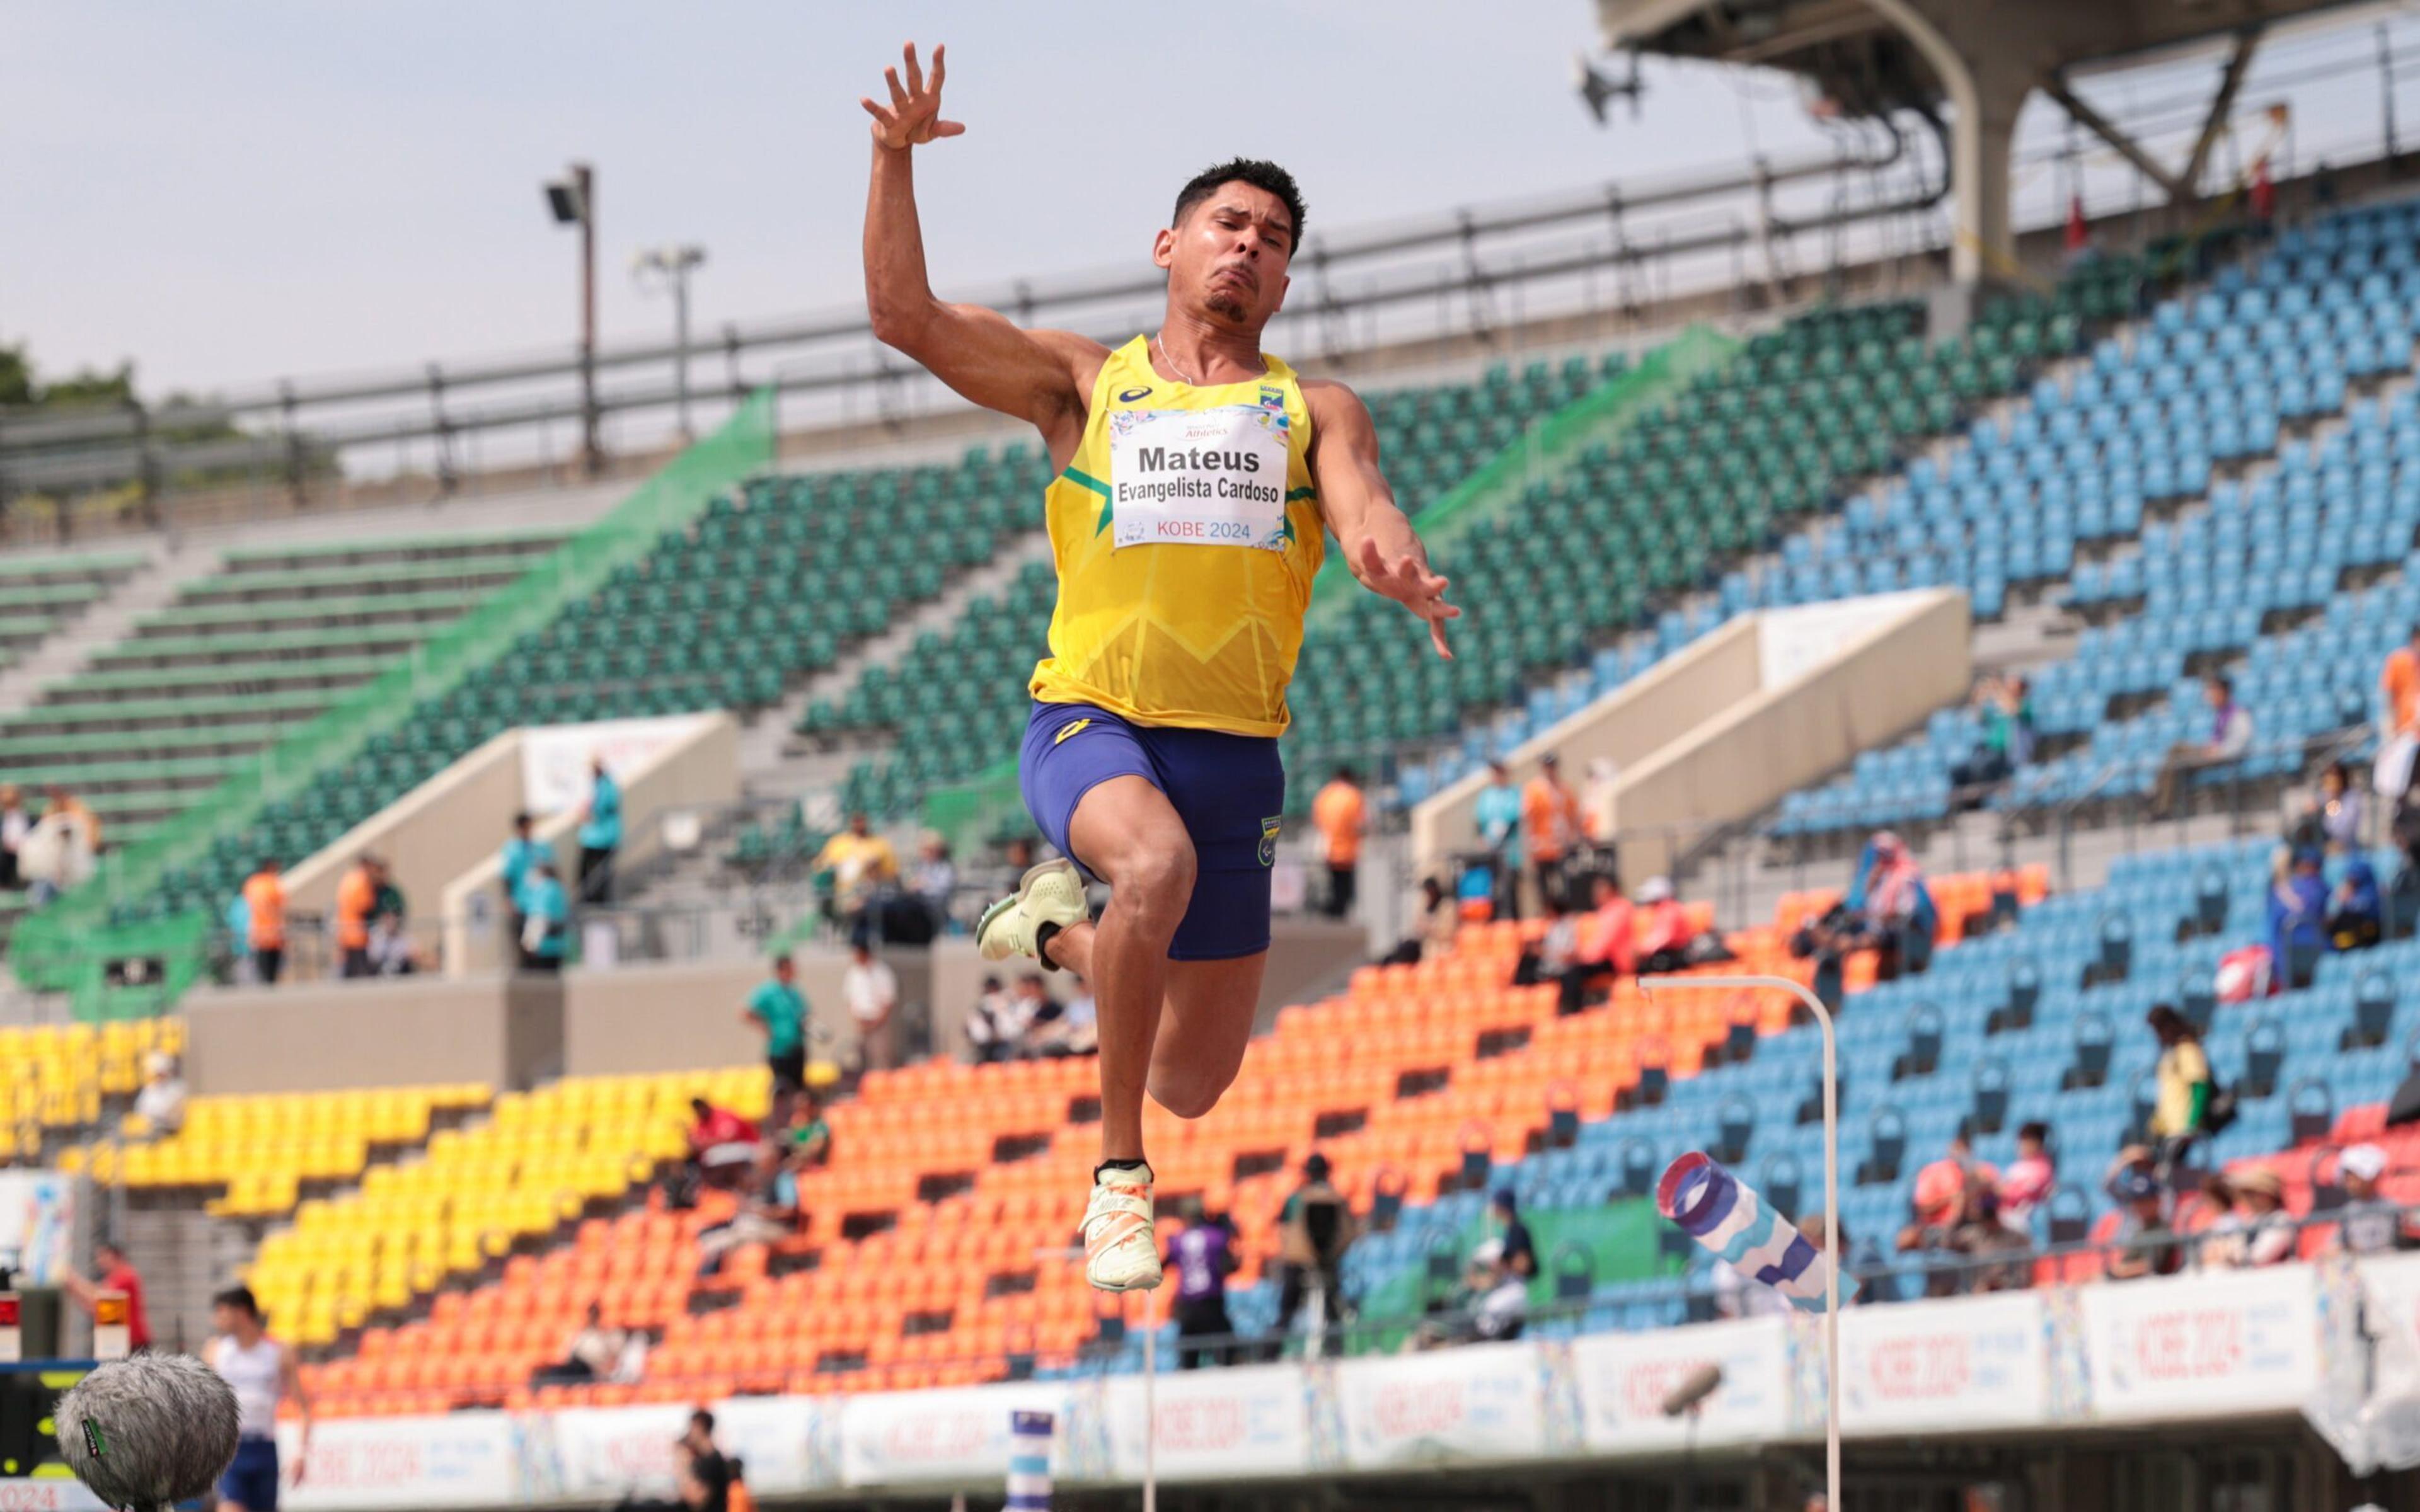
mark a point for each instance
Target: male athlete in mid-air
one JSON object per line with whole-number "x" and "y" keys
{"x": 1195, "y": 475}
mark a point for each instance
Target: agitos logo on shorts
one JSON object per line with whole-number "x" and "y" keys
{"x": 1130, "y": 395}
{"x": 1269, "y": 829}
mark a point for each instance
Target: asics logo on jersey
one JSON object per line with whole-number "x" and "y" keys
{"x": 1066, "y": 729}
{"x": 1130, "y": 395}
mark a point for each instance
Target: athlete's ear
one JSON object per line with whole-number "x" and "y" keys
{"x": 1163, "y": 248}
{"x": 1285, "y": 282}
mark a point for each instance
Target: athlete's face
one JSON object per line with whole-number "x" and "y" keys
{"x": 1227, "y": 256}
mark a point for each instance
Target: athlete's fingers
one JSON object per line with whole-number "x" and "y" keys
{"x": 938, "y": 71}
{"x": 1436, "y": 636}
{"x": 915, "y": 72}
{"x": 949, "y": 127}
{"x": 898, "y": 91}
{"x": 1374, "y": 561}
{"x": 877, "y": 111}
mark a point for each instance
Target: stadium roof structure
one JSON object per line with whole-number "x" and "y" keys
{"x": 1981, "y": 58}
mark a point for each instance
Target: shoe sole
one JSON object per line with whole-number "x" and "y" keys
{"x": 1152, "y": 1283}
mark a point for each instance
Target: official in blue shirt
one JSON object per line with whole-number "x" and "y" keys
{"x": 546, "y": 918}
{"x": 521, "y": 855}
{"x": 601, "y": 836}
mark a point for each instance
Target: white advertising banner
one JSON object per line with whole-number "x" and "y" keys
{"x": 38, "y": 1211}
{"x": 1482, "y": 1401}
{"x": 1972, "y": 1362}
{"x": 2207, "y": 1346}
{"x": 1245, "y": 1421}
{"x": 599, "y": 1452}
{"x": 47, "y": 1496}
{"x": 957, "y": 1436}
{"x": 1624, "y": 1377}
{"x": 461, "y": 1460}
{"x": 555, "y": 757}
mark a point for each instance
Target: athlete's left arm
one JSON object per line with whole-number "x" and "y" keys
{"x": 1376, "y": 539}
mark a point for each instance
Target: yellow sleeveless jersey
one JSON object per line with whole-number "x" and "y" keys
{"x": 1186, "y": 533}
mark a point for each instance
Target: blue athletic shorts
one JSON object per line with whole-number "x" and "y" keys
{"x": 250, "y": 1480}
{"x": 1229, "y": 790}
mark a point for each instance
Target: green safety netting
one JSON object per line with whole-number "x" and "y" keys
{"x": 1578, "y": 1249}
{"x": 70, "y": 945}
{"x": 988, "y": 804}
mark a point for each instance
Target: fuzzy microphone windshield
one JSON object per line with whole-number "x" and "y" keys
{"x": 147, "y": 1432}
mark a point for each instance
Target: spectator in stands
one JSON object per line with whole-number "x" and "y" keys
{"x": 161, "y": 1103}
{"x": 546, "y": 922}
{"x": 2230, "y": 736}
{"x": 1608, "y": 944}
{"x": 1499, "y": 817}
{"x": 1940, "y": 1206}
{"x": 600, "y": 834}
{"x": 390, "y": 948}
{"x": 2357, "y": 908}
{"x": 2264, "y": 1232}
{"x": 356, "y": 899}
{"x": 15, "y": 825}
{"x": 520, "y": 855}
{"x": 1437, "y": 922}
{"x": 1665, "y": 933}
{"x": 1550, "y": 825}
{"x": 1499, "y": 1292}
{"x": 2398, "y": 715}
{"x": 2029, "y": 1180}
{"x": 1314, "y": 1229}
{"x": 2182, "y": 1109}
{"x": 1340, "y": 813}
{"x": 807, "y": 1139}
{"x": 1203, "y": 1255}
{"x": 990, "y": 1026}
{"x": 768, "y": 1212}
{"x": 264, "y": 901}
{"x": 2007, "y": 741}
{"x": 2332, "y": 816}
{"x": 2146, "y": 1245}
{"x": 706, "y": 1475}
{"x": 2298, "y": 918}
{"x": 778, "y": 1010}
{"x": 936, "y": 880}
{"x": 861, "y": 863}
{"x": 723, "y": 1146}
{"x": 1997, "y": 1257}
{"x": 590, "y": 1354}
{"x": 116, "y": 1273}
{"x": 2369, "y": 1223}
{"x": 1893, "y": 907}
{"x": 56, "y": 855}
{"x": 1080, "y": 1025}
{"x": 870, "y": 991}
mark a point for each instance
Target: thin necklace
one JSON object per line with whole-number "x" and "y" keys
{"x": 1165, "y": 357}
{"x": 1169, "y": 358}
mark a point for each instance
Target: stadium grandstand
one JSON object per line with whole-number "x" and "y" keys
{"x": 1995, "y": 612}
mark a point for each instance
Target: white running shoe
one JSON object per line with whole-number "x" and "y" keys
{"x": 1051, "y": 893}
{"x": 1121, "y": 1249}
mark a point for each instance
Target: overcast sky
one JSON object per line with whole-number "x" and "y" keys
{"x": 237, "y": 191}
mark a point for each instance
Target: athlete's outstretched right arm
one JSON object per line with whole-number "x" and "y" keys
{"x": 1043, "y": 376}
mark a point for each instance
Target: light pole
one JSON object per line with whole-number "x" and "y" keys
{"x": 669, "y": 267}
{"x": 1650, "y": 985}
{"x": 573, "y": 201}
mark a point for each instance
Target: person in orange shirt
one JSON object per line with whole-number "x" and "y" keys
{"x": 1550, "y": 825}
{"x": 1341, "y": 813}
{"x": 1608, "y": 943}
{"x": 264, "y": 902}
{"x": 356, "y": 900}
{"x": 2398, "y": 686}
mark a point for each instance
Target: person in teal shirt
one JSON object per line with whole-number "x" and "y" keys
{"x": 601, "y": 835}
{"x": 546, "y": 927}
{"x": 522, "y": 854}
{"x": 778, "y": 1011}
{"x": 1499, "y": 830}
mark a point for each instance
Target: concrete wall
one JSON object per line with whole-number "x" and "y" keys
{"x": 401, "y": 1032}
{"x": 700, "y": 767}
{"x": 676, "y": 1016}
{"x": 1701, "y": 740}
{"x": 429, "y": 836}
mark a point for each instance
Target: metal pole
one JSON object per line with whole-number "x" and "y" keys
{"x": 680, "y": 340}
{"x": 585, "y": 178}
{"x": 1150, "y": 1403}
{"x": 1831, "y": 1198}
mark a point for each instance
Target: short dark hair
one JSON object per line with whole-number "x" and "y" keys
{"x": 1346, "y": 773}
{"x": 701, "y": 1418}
{"x": 2219, "y": 681}
{"x": 114, "y": 1246}
{"x": 2036, "y": 1131}
{"x": 521, "y": 818}
{"x": 1258, "y": 172}
{"x": 240, "y": 1298}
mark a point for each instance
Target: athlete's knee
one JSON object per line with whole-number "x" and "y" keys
{"x": 1157, "y": 878}
{"x": 1188, "y": 1094}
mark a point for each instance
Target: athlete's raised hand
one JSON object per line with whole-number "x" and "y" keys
{"x": 1411, "y": 584}
{"x": 913, "y": 116}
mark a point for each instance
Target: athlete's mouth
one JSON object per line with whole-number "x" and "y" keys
{"x": 1240, "y": 273}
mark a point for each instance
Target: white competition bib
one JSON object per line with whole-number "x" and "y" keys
{"x": 1198, "y": 477}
